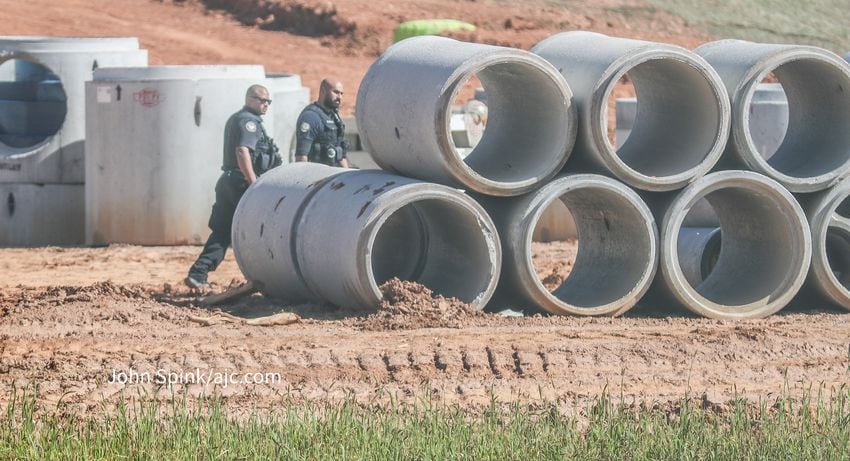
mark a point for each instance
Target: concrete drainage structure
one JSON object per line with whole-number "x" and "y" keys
{"x": 403, "y": 112}
{"x": 815, "y": 152}
{"x": 618, "y": 246}
{"x": 682, "y": 120}
{"x": 765, "y": 252}
{"x": 308, "y": 231}
{"x": 829, "y": 218}
{"x": 42, "y": 132}
{"x": 154, "y": 184}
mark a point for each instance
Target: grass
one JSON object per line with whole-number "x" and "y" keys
{"x": 816, "y": 427}
{"x": 821, "y": 23}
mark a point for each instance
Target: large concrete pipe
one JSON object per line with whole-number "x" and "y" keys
{"x": 404, "y": 108}
{"x": 41, "y": 214}
{"x": 289, "y": 99}
{"x": 829, "y": 219}
{"x": 617, "y": 246}
{"x": 682, "y": 119}
{"x": 154, "y": 148}
{"x": 42, "y": 102}
{"x": 815, "y": 151}
{"x": 764, "y": 253}
{"x": 306, "y": 230}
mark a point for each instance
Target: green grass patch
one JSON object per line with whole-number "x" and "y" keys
{"x": 824, "y": 23}
{"x": 816, "y": 427}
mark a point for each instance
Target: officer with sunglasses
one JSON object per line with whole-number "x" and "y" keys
{"x": 320, "y": 136}
{"x": 248, "y": 153}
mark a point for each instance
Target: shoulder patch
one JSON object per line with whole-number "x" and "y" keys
{"x": 305, "y": 127}
{"x": 250, "y": 126}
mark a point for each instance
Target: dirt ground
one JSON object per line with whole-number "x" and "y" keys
{"x": 74, "y": 320}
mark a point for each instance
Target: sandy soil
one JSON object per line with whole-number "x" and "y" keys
{"x": 72, "y": 318}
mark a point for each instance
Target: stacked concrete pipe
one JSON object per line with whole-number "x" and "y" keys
{"x": 308, "y": 231}
{"x": 682, "y": 121}
{"x": 815, "y": 151}
{"x": 829, "y": 219}
{"x": 403, "y": 112}
{"x": 617, "y": 258}
{"x": 765, "y": 252}
{"x": 42, "y": 132}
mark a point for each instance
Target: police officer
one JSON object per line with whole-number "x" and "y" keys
{"x": 320, "y": 136}
{"x": 248, "y": 153}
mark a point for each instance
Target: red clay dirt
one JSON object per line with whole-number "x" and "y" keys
{"x": 72, "y": 318}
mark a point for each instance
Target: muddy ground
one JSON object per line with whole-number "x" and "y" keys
{"x": 71, "y": 319}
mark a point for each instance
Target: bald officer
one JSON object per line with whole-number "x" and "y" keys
{"x": 320, "y": 135}
{"x": 248, "y": 153}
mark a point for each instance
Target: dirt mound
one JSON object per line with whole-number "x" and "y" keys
{"x": 408, "y": 305}
{"x": 29, "y": 297}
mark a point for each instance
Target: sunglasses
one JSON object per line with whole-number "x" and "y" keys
{"x": 263, "y": 100}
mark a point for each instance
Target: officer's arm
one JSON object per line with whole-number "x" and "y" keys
{"x": 304, "y": 135}
{"x": 243, "y": 159}
{"x": 344, "y": 162}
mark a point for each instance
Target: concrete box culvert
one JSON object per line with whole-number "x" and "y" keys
{"x": 764, "y": 254}
{"x": 404, "y": 108}
{"x": 617, "y": 246}
{"x": 682, "y": 119}
{"x": 154, "y": 149}
{"x": 289, "y": 97}
{"x": 815, "y": 151}
{"x": 829, "y": 221}
{"x": 42, "y": 103}
{"x": 308, "y": 231}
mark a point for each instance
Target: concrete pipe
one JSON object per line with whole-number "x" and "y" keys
{"x": 311, "y": 231}
{"x": 154, "y": 147}
{"x": 815, "y": 151}
{"x": 682, "y": 119}
{"x": 404, "y": 109}
{"x": 829, "y": 219}
{"x": 764, "y": 254}
{"x": 617, "y": 246}
{"x": 42, "y": 103}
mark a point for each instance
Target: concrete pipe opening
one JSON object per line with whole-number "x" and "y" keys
{"x": 434, "y": 242}
{"x": 815, "y": 149}
{"x": 33, "y": 106}
{"x": 404, "y": 114}
{"x": 829, "y": 218}
{"x": 676, "y": 125}
{"x": 764, "y": 251}
{"x": 681, "y": 122}
{"x": 616, "y": 249}
{"x": 525, "y": 117}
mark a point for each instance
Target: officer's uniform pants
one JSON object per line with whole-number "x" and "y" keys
{"x": 228, "y": 190}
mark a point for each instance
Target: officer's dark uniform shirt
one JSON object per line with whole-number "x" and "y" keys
{"x": 320, "y": 136}
{"x": 245, "y": 129}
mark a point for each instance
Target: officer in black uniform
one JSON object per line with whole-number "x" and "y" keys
{"x": 320, "y": 136}
{"x": 248, "y": 153}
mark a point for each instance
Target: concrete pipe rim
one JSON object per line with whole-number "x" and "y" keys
{"x": 611, "y": 155}
{"x": 557, "y": 155}
{"x": 410, "y": 194}
{"x": 798, "y": 265}
{"x": 821, "y": 223}
{"x": 740, "y": 120}
{"x": 60, "y": 44}
{"x": 13, "y": 152}
{"x": 179, "y": 72}
{"x": 544, "y": 198}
